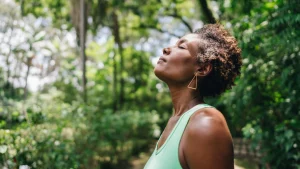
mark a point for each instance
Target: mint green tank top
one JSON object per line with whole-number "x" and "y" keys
{"x": 167, "y": 156}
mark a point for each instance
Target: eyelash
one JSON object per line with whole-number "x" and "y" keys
{"x": 181, "y": 47}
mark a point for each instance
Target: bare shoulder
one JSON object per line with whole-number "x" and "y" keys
{"x": 208, "y": 122}
{"x": 208, "y": 140}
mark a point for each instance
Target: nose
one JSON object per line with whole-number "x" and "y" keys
{"x": 166, "y": 51}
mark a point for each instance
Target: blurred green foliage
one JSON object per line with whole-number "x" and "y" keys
{"x": 268, "y": 90}
{"x": 75, "y": 136}
{"x": 52, "y": 128}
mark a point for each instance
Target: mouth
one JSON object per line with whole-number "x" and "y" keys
{"x": 162, "y": 59}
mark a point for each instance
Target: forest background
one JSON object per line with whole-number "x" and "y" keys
{"x": 77, "y": 88}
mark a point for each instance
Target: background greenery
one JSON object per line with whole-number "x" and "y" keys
{"x": 51, "y": 117}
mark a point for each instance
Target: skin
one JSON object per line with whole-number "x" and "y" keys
{"x": 206, "y": 142}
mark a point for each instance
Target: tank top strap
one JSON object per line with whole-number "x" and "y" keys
{"x": 180, "y": 127}
{"x": 190, "y": 112}
{"x": 167, "y": 157}
{"x": 176, "y": 133}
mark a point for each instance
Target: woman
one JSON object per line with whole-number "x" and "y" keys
{"x": 201, "y": 64}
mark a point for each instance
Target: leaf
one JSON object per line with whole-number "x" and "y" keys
{"x": 3, "y": 149}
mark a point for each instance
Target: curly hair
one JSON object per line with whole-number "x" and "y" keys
{"x": 221, "y": 50}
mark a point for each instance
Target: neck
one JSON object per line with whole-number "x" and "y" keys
{"x": 184, "y": 99}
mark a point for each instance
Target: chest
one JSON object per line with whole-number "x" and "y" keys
{"x": 165, "y": 136}
{"x": 167, "y": 131}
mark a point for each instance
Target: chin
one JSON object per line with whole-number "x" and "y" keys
{"x": 158, "y": 72}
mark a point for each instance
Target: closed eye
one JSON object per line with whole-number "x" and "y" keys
{"x": 181, "y": 47}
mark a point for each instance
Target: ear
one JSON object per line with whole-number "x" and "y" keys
{"x": 204, "y": 69}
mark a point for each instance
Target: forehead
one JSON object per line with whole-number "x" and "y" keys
{"x": 192, "y": 41}
{"x": 190, "y": 38}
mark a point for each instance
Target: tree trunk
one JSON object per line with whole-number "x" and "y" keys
{"x": 8, "y": 73}
{"x": 116, "y": 33}
{"x": 82, "y": 46}
{"x": 79, "y": 20}
{"x": 115, "y": 78}
{"x": 76, "y": 17}
{"x": 29, "y": 61}
{"x": 209, "y": 17}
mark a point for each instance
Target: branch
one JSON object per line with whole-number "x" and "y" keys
{"x": 142, "y": 26}
{"x": 175, "y": 15}
{"x": 207, "y": 12}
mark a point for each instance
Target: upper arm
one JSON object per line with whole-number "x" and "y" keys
{"x": 208, "y": 143}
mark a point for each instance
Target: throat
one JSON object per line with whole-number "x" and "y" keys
{"x": 179, "y": 110}
{"x": 184, "y": 100}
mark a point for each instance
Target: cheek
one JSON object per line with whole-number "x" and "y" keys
{"x": 184, "y": 64}
{"x": 183, "y": 71}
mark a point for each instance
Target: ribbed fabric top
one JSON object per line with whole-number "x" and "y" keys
{"x": 167, "y": 156}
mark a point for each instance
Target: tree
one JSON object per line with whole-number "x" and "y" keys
{"x": 209, "y": 17}
{"x": 267, "y": 110}
{"x": 102, "y": 12}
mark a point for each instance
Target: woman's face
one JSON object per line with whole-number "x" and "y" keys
{"x": 178, "y": 63}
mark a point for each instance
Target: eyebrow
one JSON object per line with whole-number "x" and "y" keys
{"x": 181, "y": 41}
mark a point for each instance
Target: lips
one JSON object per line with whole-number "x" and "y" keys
{"x": 162, "y": 59}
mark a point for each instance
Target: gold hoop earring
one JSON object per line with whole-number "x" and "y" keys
{"x": 189, "y": 86}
